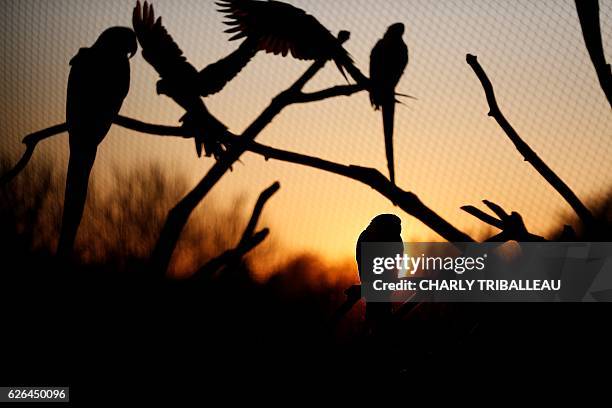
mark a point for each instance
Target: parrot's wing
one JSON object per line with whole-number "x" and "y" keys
{"x": 388, "y": 61}
{"x": 158, "y": 47}
{"x": 279, "y": 28}
{"x": 215, "y": 76}
{"x": 377, "y": 74}
{"x": 399, "y": 61}
{"x": 96, "y": 90}
{"x": 376, "y": 66}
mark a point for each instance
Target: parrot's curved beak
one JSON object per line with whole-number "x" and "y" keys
{"x": 133, "y": 46}
{"x": 133, "y": 49}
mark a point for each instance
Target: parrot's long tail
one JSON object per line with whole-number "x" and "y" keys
{"x": 77, "y": 180}
{"x": 388, "y": 113}
{"x": 215, "y": 76}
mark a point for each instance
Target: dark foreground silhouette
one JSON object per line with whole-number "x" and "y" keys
{"x": 384, "y": 228}
{"x": 113, "y": 320}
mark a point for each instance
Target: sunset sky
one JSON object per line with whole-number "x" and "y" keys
{"x": 448, "y": 151}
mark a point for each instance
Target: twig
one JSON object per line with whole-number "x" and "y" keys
{"x": 528, "y": 154}
{"x": 588, "y": 14}
{"x": 512, "y": 225}
{"x": 230, "y": 256}
{"x": 249, "y": 240}
{"x": 340, "y": 90}
{"x": 31, "y": 141}
{"x": 483, "y": 216}
{"x": 261, "y": 201}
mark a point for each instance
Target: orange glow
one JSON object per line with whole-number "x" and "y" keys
{"x": 448, "y": 151}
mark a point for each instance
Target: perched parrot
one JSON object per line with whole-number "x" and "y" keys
{"x": 388, "y": 61}
{"x": 383, "y": 229}
{"x": 98, "y": 83}
{"x": 280, "y": 28}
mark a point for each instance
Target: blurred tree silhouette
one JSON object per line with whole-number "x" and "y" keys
{"x": 121, "y": 224}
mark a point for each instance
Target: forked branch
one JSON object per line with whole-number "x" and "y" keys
{"x": 528, "y": 153}
{"x": 249, "y": 240}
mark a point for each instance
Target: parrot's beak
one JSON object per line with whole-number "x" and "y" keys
{"x": 133, "y": 48}
{"x": 132, "y": 51}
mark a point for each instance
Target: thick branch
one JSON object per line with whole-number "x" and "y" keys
{"x": 406, "y": 200}
{"x": 529, "y": 155}
{"x": 588, "y": 13}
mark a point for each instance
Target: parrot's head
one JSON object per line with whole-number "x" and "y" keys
{"x": 396, "y": 30}
{"x": 119, "y": 40}
{"x": 386, "y": 223}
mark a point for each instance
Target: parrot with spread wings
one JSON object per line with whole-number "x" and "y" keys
{"x": 281, "y": 29}
{"x": 182, "y": 82}
{"x": 98, "y": 83}
{"x": 388, "y": 61}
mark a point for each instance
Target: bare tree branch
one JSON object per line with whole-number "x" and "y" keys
{"x": 340, "y": 90}
{"x": 178, "y": 216}
{"x": 231, "y": 255}
{"x": 249, "y": 240}
{"x": 31, "y": 141}
{"x": 407, "y": 201}
{"x": 529, "y": 155}
{"x": 160, "y": 130}
{"x": 261, "y": 201}
{"x": 483, "y": 216}
{"x": 371, "y": 177}
{"x": 512, "y": 225}
{"x": 588, "y": 13}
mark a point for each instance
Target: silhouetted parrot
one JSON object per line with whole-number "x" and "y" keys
{"x": 280, "y": 28}
{"x": 98, "y": 83}
{"x": 182, "y": 82}
{"x": 385, "y": 229}
{"x": 388, "y": 61}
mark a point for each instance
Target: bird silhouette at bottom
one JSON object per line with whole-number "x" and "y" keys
{"x": 383, "y": 229}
